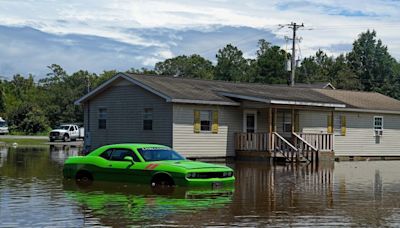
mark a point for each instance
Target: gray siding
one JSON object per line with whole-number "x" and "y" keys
{"x": 125, "y": 104}
{"x": 205, "y": 144}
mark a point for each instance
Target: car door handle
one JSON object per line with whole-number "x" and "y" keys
{"x": 109, "y": 165}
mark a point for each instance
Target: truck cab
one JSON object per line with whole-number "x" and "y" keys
{"x": 66, "y": 132}
{"x": 3, "y": 127}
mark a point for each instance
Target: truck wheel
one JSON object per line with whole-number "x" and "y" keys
{"x": 66, "y": 138}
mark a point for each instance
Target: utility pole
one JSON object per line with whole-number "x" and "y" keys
{"x": 294, "y": 27}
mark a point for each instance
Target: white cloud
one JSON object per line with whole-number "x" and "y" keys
{"x": 334, "y": 22}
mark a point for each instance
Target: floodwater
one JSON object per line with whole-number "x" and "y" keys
{"x": 33, "y": 194}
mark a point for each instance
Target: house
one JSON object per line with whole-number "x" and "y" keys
{"x": 203, "y": 118}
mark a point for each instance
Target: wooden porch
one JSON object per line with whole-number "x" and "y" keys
{"x": 301, "y": 147}
{"x": 287, "y": 142}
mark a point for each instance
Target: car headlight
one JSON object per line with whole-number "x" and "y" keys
{"x": 227, "y": 174}
{"x": 191, "y": 175}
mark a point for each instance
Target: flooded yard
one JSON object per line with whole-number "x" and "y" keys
{"x": 34, "y": 194}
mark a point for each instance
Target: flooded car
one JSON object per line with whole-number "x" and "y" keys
{"x": 146, "y": 164}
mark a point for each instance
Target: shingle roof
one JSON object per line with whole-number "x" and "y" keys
{"x": 210, "y": 90}
{"x": 187, "y": 90}
{"x": 315, "y": 85}
{"x": 363, "y": 100}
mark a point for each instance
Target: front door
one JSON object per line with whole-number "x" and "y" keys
{"x": 250, "y": 121}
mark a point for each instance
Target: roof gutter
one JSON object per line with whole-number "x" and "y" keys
{"x": 367, "y": 110}
{"x": 282, "y": 102}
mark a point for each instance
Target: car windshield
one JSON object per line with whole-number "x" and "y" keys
{"x": 159, "y": 154}
{"x": 63, "y": 127}
{"x": 3, "y": 124}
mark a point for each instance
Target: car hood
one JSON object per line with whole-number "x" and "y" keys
{"x": 187, "y": 164}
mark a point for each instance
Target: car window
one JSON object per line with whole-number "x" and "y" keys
{"x": 159, "y": 154}
{"x": 119, "y": 154}
{"x": 70, "y": 129}
{"x": 106, "y": 154}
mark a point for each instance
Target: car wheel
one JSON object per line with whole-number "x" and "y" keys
{"x": 66, "y": 138}
{"x": 84, "y": 178}
{"x": 162, "y": 180}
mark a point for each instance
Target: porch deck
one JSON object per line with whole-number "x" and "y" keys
{"x": 300, "y": 147}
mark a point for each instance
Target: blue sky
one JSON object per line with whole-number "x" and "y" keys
{"x": 99, "y": 35}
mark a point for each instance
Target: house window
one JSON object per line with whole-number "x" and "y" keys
{"x": 148, "y": 119}
{"x": 205, "y": 120}
{"x": 287, "y": 122}
{"x": 337, "y": 125}
{"x": 378, "y": 125}
{"x": 102, "y": 118}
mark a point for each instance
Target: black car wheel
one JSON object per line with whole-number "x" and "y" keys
{"x": 66, "y": 138}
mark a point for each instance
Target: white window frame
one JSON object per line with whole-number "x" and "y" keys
{"x": 245, "y": 112}
{"x": 380, "y": 131}
{"x": 211, "y": 120}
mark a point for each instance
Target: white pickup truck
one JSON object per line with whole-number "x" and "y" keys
{"x": 66, "y": 132}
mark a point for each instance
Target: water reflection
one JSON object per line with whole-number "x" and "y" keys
{"x": 33, "y": 193}
{"x": 125, "y": 204}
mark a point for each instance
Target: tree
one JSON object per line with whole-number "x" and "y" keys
{"x": 27, "y": 118}
{"x": 2, "y": 98}
{"x": 373, "y": 65}
{"x": 270, "y": 64}
{"x": 231, "y": 65}
{"x": 315, "y": 68}
{"x": 193, "y": 66}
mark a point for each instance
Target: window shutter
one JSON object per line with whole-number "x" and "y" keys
{"x": 215, "y": 125}
{"x": 196, "y": 124}
{"x": 343, "y": 122}
{"x": 296, "y": 122}
{"x": 329, "y": 124}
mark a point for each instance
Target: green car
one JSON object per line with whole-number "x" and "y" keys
{"x": 152, "y": 164}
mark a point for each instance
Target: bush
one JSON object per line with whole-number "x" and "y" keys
{"x": 28, "y": 119}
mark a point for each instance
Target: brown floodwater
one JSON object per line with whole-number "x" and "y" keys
{"x": 33, "y": 194}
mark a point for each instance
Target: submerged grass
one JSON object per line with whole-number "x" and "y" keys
{"x": 11, "y": 141}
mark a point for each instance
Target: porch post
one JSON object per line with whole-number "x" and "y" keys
{"x": 293, "y": 119}
{"x": 275, "y": 118}
{"x": 270, "y": 129}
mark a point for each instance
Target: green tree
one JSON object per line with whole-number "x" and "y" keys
{"x": 193, "y": 66}
{"x": 374, "y": 66}
{"x": 270, "y": 64}
{"x": 2, "y": 98}
{"x": 27, "y": 118}
{"x": 231, "y": 65}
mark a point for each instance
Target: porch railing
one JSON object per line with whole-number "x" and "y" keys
{"x": 321, "y": 141}
{"x": 281, "y": 145}
{"x": 307, "y": 151}
{"x": 252, "y": 141}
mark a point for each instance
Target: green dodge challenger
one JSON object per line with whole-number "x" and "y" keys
{"x": 152, "y": 164}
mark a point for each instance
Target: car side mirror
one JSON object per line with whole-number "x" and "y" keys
{"x": 129, "y": 158}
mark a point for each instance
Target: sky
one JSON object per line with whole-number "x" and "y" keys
{"x": 97, "y": 35}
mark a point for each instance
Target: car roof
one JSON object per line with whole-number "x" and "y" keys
{"x": 130, "y": 145}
